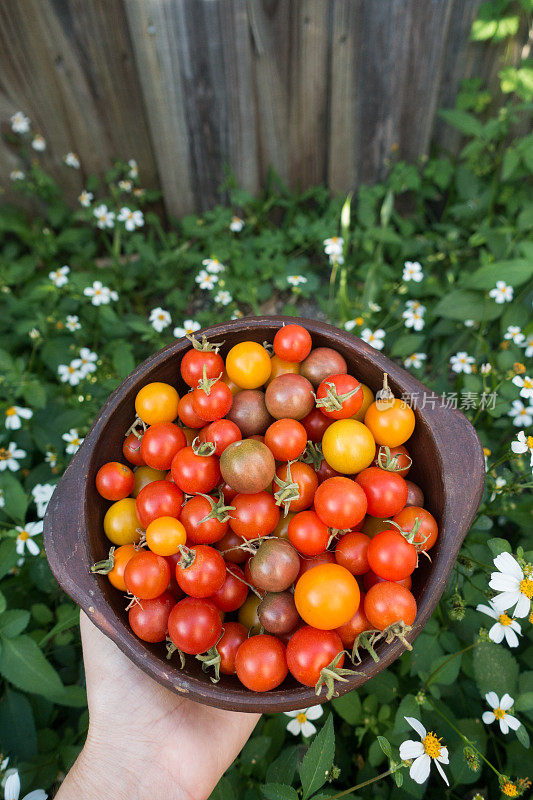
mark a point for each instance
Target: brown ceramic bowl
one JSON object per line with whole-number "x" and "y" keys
{"x": 448, "y": 465}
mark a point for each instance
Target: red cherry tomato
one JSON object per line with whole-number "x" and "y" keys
{"x": 397, "y": 459}
{"x": 304, "y": 476}
{"x": 346, "y": 390}
{"x": 260, "y": 663}
{"x": 213, "y": 404}
{"x": 149, "y": 621}
{"x": 325, "y": 471}
{"x": 254, "y": 515}
{"x": 194, "y": 625}
{"x": 387, "y": 603}
{"x": 222, "y": 433}
{"x": 160, "y": 443}
{"x": 201, "y": 571}
{"x": 391, "y": 556}
{"x": 233, "y": 591}
{"x": 308, "y": 534}
{"x": 132, "y": 450}
{"x": 292, "y": 343}
{"x": 158, "y": 499}
{"x": 428, "y": 530}
{"x": 194, "y": 473}
{"x": 386, "y": 492}
{"x": 186, "y": 413}
{"x": 286, "y": 439}
{"x": 234, "y": 634}
{"x": 355, "y": 626}
{"x": 370, "y": 578}
{"x": 193, "y": 363}
{"x": 351, "y": 552}
{"x": 146, "y": 575}
{"x": 199, "y": 529}
{"x": 309, "y": 651}
{"x": 315, "y": 423}
{"x": 114, "y": 481}
{"x": 340, "y": 503}
{"x": 308, "y": 562}
{"x": 229, "y": 546}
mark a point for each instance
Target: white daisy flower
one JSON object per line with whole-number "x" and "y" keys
{"x": 412, "y": 271}
{"x": 85, "y": 199}
{"x": 499, "y": 483}
{"x": 499, "y": 712}
{"x": 296, "y": 280}
{"x": 17, "y": 175}
{"x": 12, "y": 790}
{"x": 131, "y": 219}
{"x": 526, "y": 386}
{"x": 462, "y": 362}
{"x": 34, "y": 333}
{"x": 514, "y": 584}
{"x": 300, "y": 722}
{"x": 350, "y": 324}
{"x": 71, "y": 373}
{"x": 73, "y": 322}
{"x": 9, "y": 457}
{"x": 160, "y": 319}
{"x": 42, "y": 492}
{"x": 25, "y": 538}
{"x": 415, "y": 360}
{"x": 336, "y": 260}
{"x": 236, "y": 225}
{"x": 374, "y": 338}
{"x": 502, "y": 293}
{"x": 125, "y": 186}
{"x": 72, "y": 160}
{"x": 413, "y": 319}
{"x": 422, "y": 753}
{"x": 133, "y": 172}
{"x": 528, "y": 344}
{"x": 485, "y": 368}
{"x": 20, "y": 123}
{"x": 99, "y": 294}
{"x": 15, "y": 415}
{"x": 88, "y": 361}
{"x": 469, "y": 323}
{"x": 223, "y": 297}
{"x": 189, "y": 326}
{"x": 38, "y": 143}
{"x": 104, "y": 217}
{"x": 522, "y": 415}
{"x": 205, "y": 280}
{"x": 2, "y": 499}
{"x": 522, "y": 445}
{"x": 334, "y": 247}
{"x": 514, "y": 333}
{"x": 237, "y": 314}
{"x": 73, "y": 440}
{"x": 213, "y": 266}
{"x": 415, "y": 305}
{"x": 375, "y": 307}
{"x": 504, "y": 627}
{"x": 59, "y": 276}
{"x": 50, "y": 458}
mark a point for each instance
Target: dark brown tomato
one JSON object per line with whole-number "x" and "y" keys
{"x": 325, "y": 471}
{"x": 315, "y": 424}
{"x": 277, "y": 612}
{"x": 247, "y": 466}
{"x": 275, "y": 565}
{"x": 282, "y": 528}
{"x": 321, "y": 363}
{"x": 415, "y": 495}
{"x": 290, "y": 396}
{"x": 249, "y": 412}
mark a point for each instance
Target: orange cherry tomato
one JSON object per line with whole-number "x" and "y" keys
{"x": 164, "y": 536}
{"x": 157, "y": 402}
{"x": 281, "y": 367}
{"x": 327, "y": 596}
{"x": 391, "y": 425}
{"x": 121, "y": 556}
{"x": 248, "y": 365}
{"x": 121, "y": 522}
{"x": 368, "y": 399}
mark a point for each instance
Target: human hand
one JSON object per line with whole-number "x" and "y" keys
{"x": 145, "y": 741}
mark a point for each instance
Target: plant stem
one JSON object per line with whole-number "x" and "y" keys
{"x": 427, "y": 682}
{"x": 366, "y": 783}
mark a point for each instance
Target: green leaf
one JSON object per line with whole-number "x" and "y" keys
{"x": 510, "y": 163}
{"x": 448, "y": 670}
{"x": 278, "y": 791}
{"x": 497, "y": 546}
{"x": 223, "y": 790}
{"x": 8, "y": 556}
{"x": 407, "y": 344}
{"x": 283, "y": 769}
{"x": 495, "y": 669}
{"x": 23, "y": 664}
{"x": 523, "y": 736}
{"x": 13, "y": 622}
{"x": 385, "y": 746}
{"x": 515, "y": 273}
{"x": 16, "y": 499}
{"x": 318, "y": 760}
{"x": 255, "y": 749}
{"x": 17, "y": 727}
{"x": 460, "y": 305}
{"x": 524, "y": 702}
{"x": 71, "y": 696}
{"x": 348, "y": 706}
{"x": 463, "y": 121}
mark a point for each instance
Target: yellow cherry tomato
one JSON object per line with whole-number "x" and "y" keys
{"x": 121, "y": 557}
{"x": 390, "y": 424}
{"x": 368, "y": 399}
{"x": 145, "y": 475}
{"x": 348, "y": 446}
{"x": 248, "y": 365}
{"x": 165, "y": 535}
{"x": 327, "y": 596}
{"x": 121, "y": 522}
{"x": 157, "y": 402}
{"x": 281, "y": 367}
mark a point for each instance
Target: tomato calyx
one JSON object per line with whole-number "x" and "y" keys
{"x": 366, "y": 640}
{"x": 269, "y": 347}
{"x": 384, "y": 396}
{"x": 332, "y": 673}
{"x": 333, "y": 401}
{"x": 203, "y": 346}
{"x": 390, "y": 463}
{"x": 410, "y": 536}
{"x": 219, "y": 511}
{"x": 203, "y": 448}
{"x": 211, "y": 659}
{"x": 171, "y": 649}
{"x": 188, "y": 556}
{"x": 205, "y": 383}
{"x": 133, "y": 600}
{"x": 287, "y": 492}
{"x": 105, "y": 566}
{"x": 398, "y": 630}
{"x": 312, "y": 455}
{"x": 134, "y": 428}
{"x": 334, "y": 533}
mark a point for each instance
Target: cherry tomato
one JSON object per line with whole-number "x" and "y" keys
{"x": 158, "y": 499}
{"x": 355, "y": 626}
{"x": 249, "y": 413}
{"x": 234, "y": 389}
{"x": 373, "y": 525}
{"x": 160, "y": 443}
{"x": 146, "y": 575}
{"x": 121, "y": 522}
{"x": 392, "y": 425}
{"x": 254, "y": 515}
{"x": 233, "y": 591}
{"x": 132, "y": 450}
{"x": 351, "y": 552}
{"x": 229, "y": 546}
{"x": 277, "y": 613}
{"x": 315, "y": 423}
{"x": 327, "y": 596}
{"x": 346, "y": 390}
{"x": 310, "y": 650}
{"x": 278, "y": 366}
{"x": 199, "y": 529}
{"x": 187, "y": 414}
{"x": 304, "y": 476}
{"x": 114, "y": 481}
{"x": 396, "y": 460}
{"x": 194, "y": 625}
{"x": 325, "y": 471}
{"x": 145, "y": 475}
{"x": 428, "y": 530}
{"x": 282, "y": 528}
{"x": 121, "y": 557}
{"x": 387, "y": 603}
{"x": 340, "y": 503}
{"x": 234, "y": 634}
{"x": 247, "y": 614}
{"x": 157, "y": 402}
{"x": 164, "y": 536}
{"x": 193, "y": 363}
{"x": 391, "y": 556}
{"x": 201, "y": 571}
{"x": 194, "y": 473}
{"x": 289, "y": 397}
{"x": 292, "y": 343}
{"x": 274, "y": 566}
{"x": 213, "y": 404}
{"x": 368, "y": 399}
{"x": 260, "y": 663}
{"x": 248, "y": 365}
{"x": 286, "y": 439}
{"x": 348, "y": 446}
{"x": 308, "y": 534}
{"x": 149, "y": 621}
{"x": 370, "y": 578}
{"x": 321, "y": 363}
{"x": 221, "y": 433}
{"x": 308, "y": 562}
{"x": 386, "y": 492}
{"x": 415, "y": 495}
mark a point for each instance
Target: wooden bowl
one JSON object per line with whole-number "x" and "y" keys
{"x": 448, "y": 465}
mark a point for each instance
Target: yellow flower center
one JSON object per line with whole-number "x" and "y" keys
{"x": 499, "y": 713}
{"x": 359, "y": 320}
{"x": 529, "y": 442}
{"x": 526, "y": 587}
{"x": 71, "y": 369}
{"x": 301, "y": 717}
{"x": 10, "y": 412}
{"x": 23, "y": 535}
{"x": 510, "y": 789}
{"x": 503, "y": 619}
{"x": 487, "y": 451}
{"x": 528, "y": 383}
{"x": 4, "y": 454}
{"x": 432, "y": 745}
{"x": 75, "y": 440}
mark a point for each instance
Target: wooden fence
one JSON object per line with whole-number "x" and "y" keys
{"x": 321, "y": 90}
